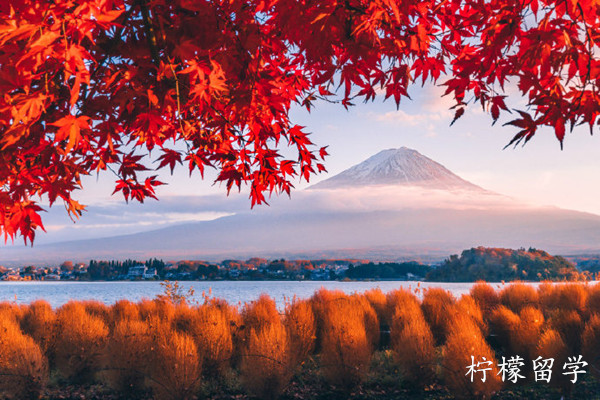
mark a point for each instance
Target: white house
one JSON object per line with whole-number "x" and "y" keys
{"x": 150, "y": 274}
{"x": 136, "y": 272}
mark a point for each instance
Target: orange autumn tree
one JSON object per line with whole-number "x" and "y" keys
{"x": 93, "y": 85}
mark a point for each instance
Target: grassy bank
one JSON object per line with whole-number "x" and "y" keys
{"x": 371, "y": 346}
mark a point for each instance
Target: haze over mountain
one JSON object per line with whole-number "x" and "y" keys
{"x": 396, "y": 205}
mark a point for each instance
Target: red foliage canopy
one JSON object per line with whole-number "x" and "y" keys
{"x": 91, "y": 85}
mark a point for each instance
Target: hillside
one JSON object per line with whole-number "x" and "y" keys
{"x": 496, "y": 264}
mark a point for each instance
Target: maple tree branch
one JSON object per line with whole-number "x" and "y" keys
{"x": 150, "y": 33}
{"x": 113, "y": 41}
{"x": 118, "y": 37}
{"x": 589, "y": 61}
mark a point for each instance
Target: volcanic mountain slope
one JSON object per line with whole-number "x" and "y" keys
{"x": 401, "y": 166}
{"x": 397, "y": 204}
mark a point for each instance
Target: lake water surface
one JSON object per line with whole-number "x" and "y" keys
{"x": 58, "y": 293}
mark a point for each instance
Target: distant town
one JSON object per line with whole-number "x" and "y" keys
{"x": 252, "y": 269}
{"x": 480, "y": 263}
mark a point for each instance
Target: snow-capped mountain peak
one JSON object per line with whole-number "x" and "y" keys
{"x": 401, "y": 166}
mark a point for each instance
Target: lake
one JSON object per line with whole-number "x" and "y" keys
{"x": 58, "y": 293}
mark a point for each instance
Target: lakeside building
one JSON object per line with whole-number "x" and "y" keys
{"x": 136, "y": 272}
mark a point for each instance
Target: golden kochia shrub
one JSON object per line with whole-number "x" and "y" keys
{"x": 79, "y": 342}
{"x": 301, "y": 330}
{"x": 378, "y": 301}
{"x": 231, "y": 312}
{"x": 320, "y": 301}
{"x": 265, "y": 364}
{"x": 127, "y": 353}
{"x": 591, "y": 343}
{"x": 260, "y": 312}
{"x": 124, "y": 310}
{"x": 564, "y": 296}
{"x": 485, "y": 296}
{"x": 437, "y": 307}
{"x": 210, "y": 328}
{"x": 255, "y": 315}
{"x": 23, "y": 368}
{"x": 11, "y": 311}
{"x": 546, "y": 295}
{"x": 345, "y": 348}
{"x": 465, "y": 340}
{"x": 155, "y": 309}
{"x": 404, "y": 313}
{"x": 399, "y": 298}
{"x": 573, "y": 296}
{"x": 570, "y": 326}
{"x": 519, "y": 295}
{"x": 185, "y": 319}
{"x": 98, "y": 309}
{"x": 370, "y": 317}
{"x": 593, "y": 300}
{"x": 503, "y": 322}
{"x": 175, "y": 367}
{"x": 38, "y": 322}
{"x": 525, "y": 337}
{"x": 467, "y": 306}
{"x": 552, "y": 345}
{"x": 413, "y": 346}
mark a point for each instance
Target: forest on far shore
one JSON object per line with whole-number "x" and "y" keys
{"x": 496, "y": 264}
{"x": 480, "y": 263}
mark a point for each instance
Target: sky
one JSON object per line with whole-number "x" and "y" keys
{"x": 538, "y": 173}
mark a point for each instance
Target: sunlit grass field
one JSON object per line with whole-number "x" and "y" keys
{"x": 401, "y": 344}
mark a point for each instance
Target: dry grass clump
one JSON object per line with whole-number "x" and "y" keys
{"x": 519, "y": 295}
{"x": 396, "y": 298}
{"x": 465, "y": 340}
{"x": 345, "y": 348}
{"x": 570, "y": 325}
{"x": 265, "y": 367}
{"x": 567, "y": 296}
{"x": 437, "y": 307}
{"x": 378, "y": 301}
{"x": 23, "y": 368}
{"x": 552, "y": 345}
{"x": 370, "y": 318}
{"x": 301, "y": 330}
{"x": 214, "y": 339}
{"x": 260, "y": 312}
{"x": 322, "y": 298}
{"x": 573, "y": 296}
{"x": 467, "y": 306}
{"x": 593, "y": 300}
{"x": 98, "y": 309}
{"x": 405, "y": 311}
{"x": 547, "y": 296}
{"x": 124, "y": 310}
{"x": 412, "y": 345}
{"x": 525, "y": 337}
{"x": 127, "y": 353}
{"x": 320, "y": 301}
{"x": 11, "y": 311}
{"x": 156, "y": 309}
{"x": 590, "y": 347}
{"x": 79, "y": 342}
{"x": 175, "y": 367}
{"x": 503, "y": 322}
{"x": 485, "y": 296}
{"x": 185, "y": 319}
{"x": 38, "y": 322}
